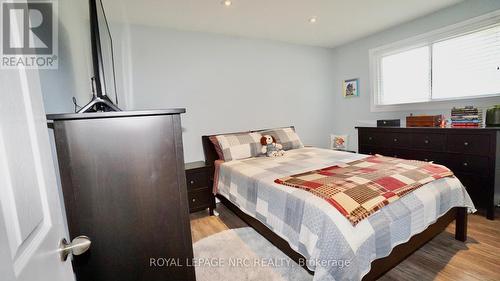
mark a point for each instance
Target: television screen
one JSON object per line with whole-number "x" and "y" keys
{"x": 108, "y": 83}
{"x": 104, "y": 85}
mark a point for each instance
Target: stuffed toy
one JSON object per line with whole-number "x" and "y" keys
{"x": 270, "y": 147}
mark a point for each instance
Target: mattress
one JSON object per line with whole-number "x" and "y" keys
{"x": 334, "y": 249}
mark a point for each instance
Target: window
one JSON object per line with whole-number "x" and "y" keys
{"x": 457, "y": 62}
{"x": 400, "y": 70}
{"x": 467, "y": 66}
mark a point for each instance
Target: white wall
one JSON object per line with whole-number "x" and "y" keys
{"x": 72, "y": 78}
{"x": 352, "y": 61}
{"x": 226, "y": 83}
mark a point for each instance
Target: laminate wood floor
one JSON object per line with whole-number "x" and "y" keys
{"x": 443, "y": 258}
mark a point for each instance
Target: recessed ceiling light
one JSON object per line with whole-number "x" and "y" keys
{"x": 312, "y": 20}
{"x": 227, "y": 3}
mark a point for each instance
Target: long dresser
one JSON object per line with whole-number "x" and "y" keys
{"x": 472, "y": 154}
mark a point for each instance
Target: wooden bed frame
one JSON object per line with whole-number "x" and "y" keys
{"x": 379, "y": 266}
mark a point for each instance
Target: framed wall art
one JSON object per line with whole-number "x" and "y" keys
{"x": 350, "y": 88}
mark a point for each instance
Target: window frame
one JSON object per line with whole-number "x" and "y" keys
{"x": 427, "y": 39}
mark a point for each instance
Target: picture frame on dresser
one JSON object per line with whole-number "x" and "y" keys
{"x": 473, "y": 154}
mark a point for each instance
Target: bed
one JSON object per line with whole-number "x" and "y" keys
{"x": 314, "y": 234}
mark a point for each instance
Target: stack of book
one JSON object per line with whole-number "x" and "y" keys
{"x": 466, "y": 117}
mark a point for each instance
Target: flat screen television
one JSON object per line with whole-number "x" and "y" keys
{"x": 103, "y": 81}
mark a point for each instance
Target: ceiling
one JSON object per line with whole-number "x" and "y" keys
{"x": 338, "y": 21}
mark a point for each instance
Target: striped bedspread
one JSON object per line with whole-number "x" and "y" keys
{"x": 317, "y": 230}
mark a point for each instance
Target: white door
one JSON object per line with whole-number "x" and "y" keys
{"x": 31, "y": 220}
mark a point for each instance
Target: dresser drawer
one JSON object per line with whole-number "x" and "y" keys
{"x": 396, "y": 140}
{"x": 468, "y": 164}
{"x": 398, "y": 153}
{"x": 429, "y": 156}
{"x": 200, "y": 199}
{"x": 370, "y": 137}
{"x": 434, "y": 142}
{"x": 476, "y": 187}
{"x": 371, "y": 150}
{"x": 474, "y": 144}
{"x": 196, "y": 180}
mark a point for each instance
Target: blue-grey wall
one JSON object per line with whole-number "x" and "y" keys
{"x": 230, "y": 83}
{"x": 226, "y": 83}
{"x": 352, "y": 61}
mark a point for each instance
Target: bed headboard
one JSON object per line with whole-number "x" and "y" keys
{"x": 209, "y": 149}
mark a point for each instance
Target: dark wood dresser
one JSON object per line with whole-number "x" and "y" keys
{"x": 199, "y": 187}
{"x": 472, "y": 154}
{"x": 124, "y": 187}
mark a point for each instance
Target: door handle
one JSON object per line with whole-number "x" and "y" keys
{"x": 78, "y": 246}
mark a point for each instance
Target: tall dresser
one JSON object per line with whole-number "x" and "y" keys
{"x": 472, "y": 154}
{"x": 122, "y": 175}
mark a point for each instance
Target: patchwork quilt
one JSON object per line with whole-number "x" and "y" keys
{"x": 360, "y": 188}
{"x": 334, "y": 249}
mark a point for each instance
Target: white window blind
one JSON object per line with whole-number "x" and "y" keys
{"x": 406, "y": 77}
{"x": 466, "y": 66}
{"x": 462, "y": 61}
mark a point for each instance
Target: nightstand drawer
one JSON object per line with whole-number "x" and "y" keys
{"x": 475, "y": 144}
{"x": 200, "y": 199}
{"x": 195, "y": 180}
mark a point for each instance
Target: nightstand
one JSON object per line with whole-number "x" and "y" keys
{"x": 199, "y": 187}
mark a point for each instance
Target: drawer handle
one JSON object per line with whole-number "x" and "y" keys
{"x": 466, "y": 144}
{"x": 395, "y": 140}
{"x": 370, "y": 138}
{"x": 426, "y": 141}
{"x": 194, "y": 200}
{"x": 191, "y": 182}
{"x": 426, "y": 160}
{"x": 466, "y": 164}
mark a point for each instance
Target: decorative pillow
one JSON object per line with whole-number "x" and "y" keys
{"x": 286, "y": 137}
{"x": 240, "y": 146}
{"x": 338, "y": 142}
